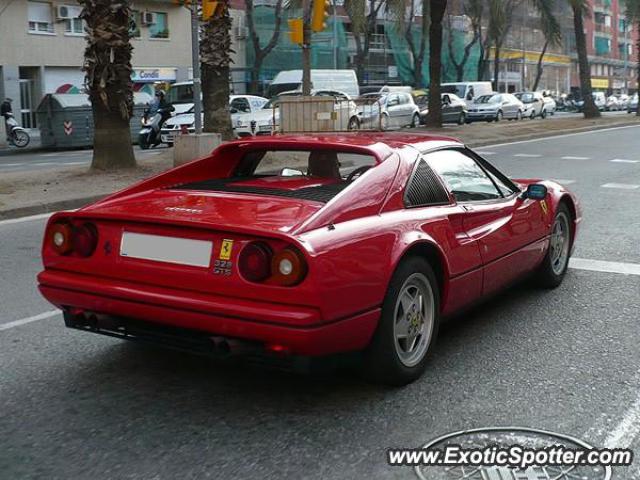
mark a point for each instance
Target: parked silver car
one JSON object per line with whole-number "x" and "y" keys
{"x": 390, "y": 110}
{"x": 632, "y": 106}
{"x": 495, "y": 107}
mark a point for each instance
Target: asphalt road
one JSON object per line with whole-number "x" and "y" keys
{"x": 75, "y": 405}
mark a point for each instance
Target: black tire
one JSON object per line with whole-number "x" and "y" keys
{"x": 143, "y": 141}
{"x": 499, "y": 116}
{"x": 547, "y": 275}
{"x": 533, "y": 115}
{"x": 462, "y": 118}
{"x": 415, "y": 121}
{"x": 354, "y": 124}
{"x": 21, "y": 138}
{"x": 543, "y": 114}
{"x": 382, "y": 362}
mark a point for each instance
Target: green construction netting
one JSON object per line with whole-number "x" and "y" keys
{"x": 288, "y": 56}
{"x": 404, "y": 61}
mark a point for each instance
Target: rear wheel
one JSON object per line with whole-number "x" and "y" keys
{"x": 21, "y": 138}
{"x": 462, "y": 118}
{"x": 408, "y": 326}
{"x": 415, "y": 121}
{"x": 554, "y": 266}
{"x": 354, "y": 124}
{"x": 543, "y": 114}
{"x": 143, "y": 141}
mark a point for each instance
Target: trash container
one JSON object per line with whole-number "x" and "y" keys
{"x": 66, "y": 119}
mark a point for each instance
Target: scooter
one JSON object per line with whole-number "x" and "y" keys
{"x": 149, "y": 135}
{"x": 16, "y": 135}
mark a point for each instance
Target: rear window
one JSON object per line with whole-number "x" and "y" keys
{"x": 317, "y": 175}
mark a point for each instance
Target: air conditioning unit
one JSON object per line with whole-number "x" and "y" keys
{"x": 149, "y": 18}
{"x": 241, "y": 32}
{"x": 67, "y": 12}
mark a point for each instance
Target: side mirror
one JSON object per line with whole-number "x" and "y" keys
{"x": 290, "y": 172}
{"x": 535, "y": 191}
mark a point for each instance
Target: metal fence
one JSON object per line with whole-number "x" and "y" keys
{"x": 299, "y": 114}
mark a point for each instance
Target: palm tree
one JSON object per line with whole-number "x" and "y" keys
{"x": 580, "y": 9}
{"x": 260, "y": 53}
{"x": 436, "y": 13}
{"x": 215, "y": 58}
{"x": 552, "y": 34}
{"x": 107, "y": 64}
{"x": 632, "y": 8}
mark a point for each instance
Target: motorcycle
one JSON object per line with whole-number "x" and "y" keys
{"x": 16, "y": 135}
{"x": 149, "y": 135}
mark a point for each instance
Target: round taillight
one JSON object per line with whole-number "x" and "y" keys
{"x": 288, "y": 267}
{"x": 62, "y": 238}
{"x": 254, "y": 262}
{"x": 85, "y": 239}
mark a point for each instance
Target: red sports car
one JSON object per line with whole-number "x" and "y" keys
{"x": 307, "y": 246}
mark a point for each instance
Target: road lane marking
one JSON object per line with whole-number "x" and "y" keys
{"x": 30, "y": 218}
{"x": 12, "y": 164}
{"x": 623, "y": 160}
{"x": 626, "y": 431}
{"x": 24, "y": 321}
{"x": 45, "y": 163}
{"x": 576, "y": 158}
{"x": 76, "y": 163}
{"x": 541, "y": 139}
{"x": 483, "y": 152}
{"x": 623, "y": 186}
{"x": 563, "y": 181}
{"x": 527, "y": 155}
{"x": 604, "y": 266}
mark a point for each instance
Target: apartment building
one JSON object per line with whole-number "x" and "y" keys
{"x": 42, "y": 46}
{"x": 611, "y": 46}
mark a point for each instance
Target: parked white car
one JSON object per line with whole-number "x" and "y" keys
{"x": 633, "y": 104}
{"x": 533, "y": 104}
{"x": 238, "y": 105}
{"x": 550, "y": 104}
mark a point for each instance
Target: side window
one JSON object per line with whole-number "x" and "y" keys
{"x": 240, "y": 104}
{"x": 465, "y": 178}
{"x": 424, "y": 188}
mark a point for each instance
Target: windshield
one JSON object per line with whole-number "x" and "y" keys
{"x": 488, "y": 99}
{"x": 180, "y": 94}
{"x": 459, "y": 90}
{"x": 278, "y": 88}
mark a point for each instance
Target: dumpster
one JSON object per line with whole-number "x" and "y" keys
{"x": 66, "y": 119}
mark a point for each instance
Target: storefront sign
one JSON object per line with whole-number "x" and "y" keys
{"x": 600, "y": 83}
{"x": 150, "y": 75}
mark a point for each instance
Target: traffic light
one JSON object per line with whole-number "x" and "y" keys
{"x": 296, "y": 27}
{"x": 320, "y": 14}
{"x": 209, "y": 9}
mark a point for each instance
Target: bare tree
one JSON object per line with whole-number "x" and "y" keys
{"x": 473, "y": 10}
{"x": 404, "y": 12}
{"x": 438, "y": 7}
{"x": 260, "y": 53}
{"x": 363, "y": 15}
{"x": 107, "y": 64}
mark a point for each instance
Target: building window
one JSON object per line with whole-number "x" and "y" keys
{"x": 74, "y": 26}
{"x": 134, "y": 26}
{"x": 160, "y": 29}
{"x": 40, "y": 17}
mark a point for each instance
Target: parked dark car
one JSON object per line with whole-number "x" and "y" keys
{"x": 454, "y": 109}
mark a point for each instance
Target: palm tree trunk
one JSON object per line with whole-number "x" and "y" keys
{"x": 438, "y": 7}
{"x": 540, "y": 67}
{"x": 215, "y": 57}
{"x": 590, "y": 109}
{"x": 108, "y": 80}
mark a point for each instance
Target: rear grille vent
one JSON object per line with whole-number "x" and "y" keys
{"x": 322, "y": 193}
{"x": 425, "y": 188}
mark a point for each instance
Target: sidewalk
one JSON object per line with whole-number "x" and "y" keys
{"x": 34, "y": 192}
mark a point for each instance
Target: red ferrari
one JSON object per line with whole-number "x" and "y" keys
{"x": 307, "y": 246}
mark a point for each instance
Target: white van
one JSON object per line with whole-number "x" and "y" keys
{"x": 468, "y": 91}
{"x": 337, "y": 80}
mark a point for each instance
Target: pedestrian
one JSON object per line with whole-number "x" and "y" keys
{"x": 6, "y": 111}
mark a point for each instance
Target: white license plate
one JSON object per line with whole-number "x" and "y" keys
{"x": 183, "y": 251}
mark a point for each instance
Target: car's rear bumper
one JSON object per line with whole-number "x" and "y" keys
{"x": 481, "y": 116}
{"x": 298, "y": 329}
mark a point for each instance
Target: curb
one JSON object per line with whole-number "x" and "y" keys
{"x": 51, "y": 207}
{"x": 80, "y": 202}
